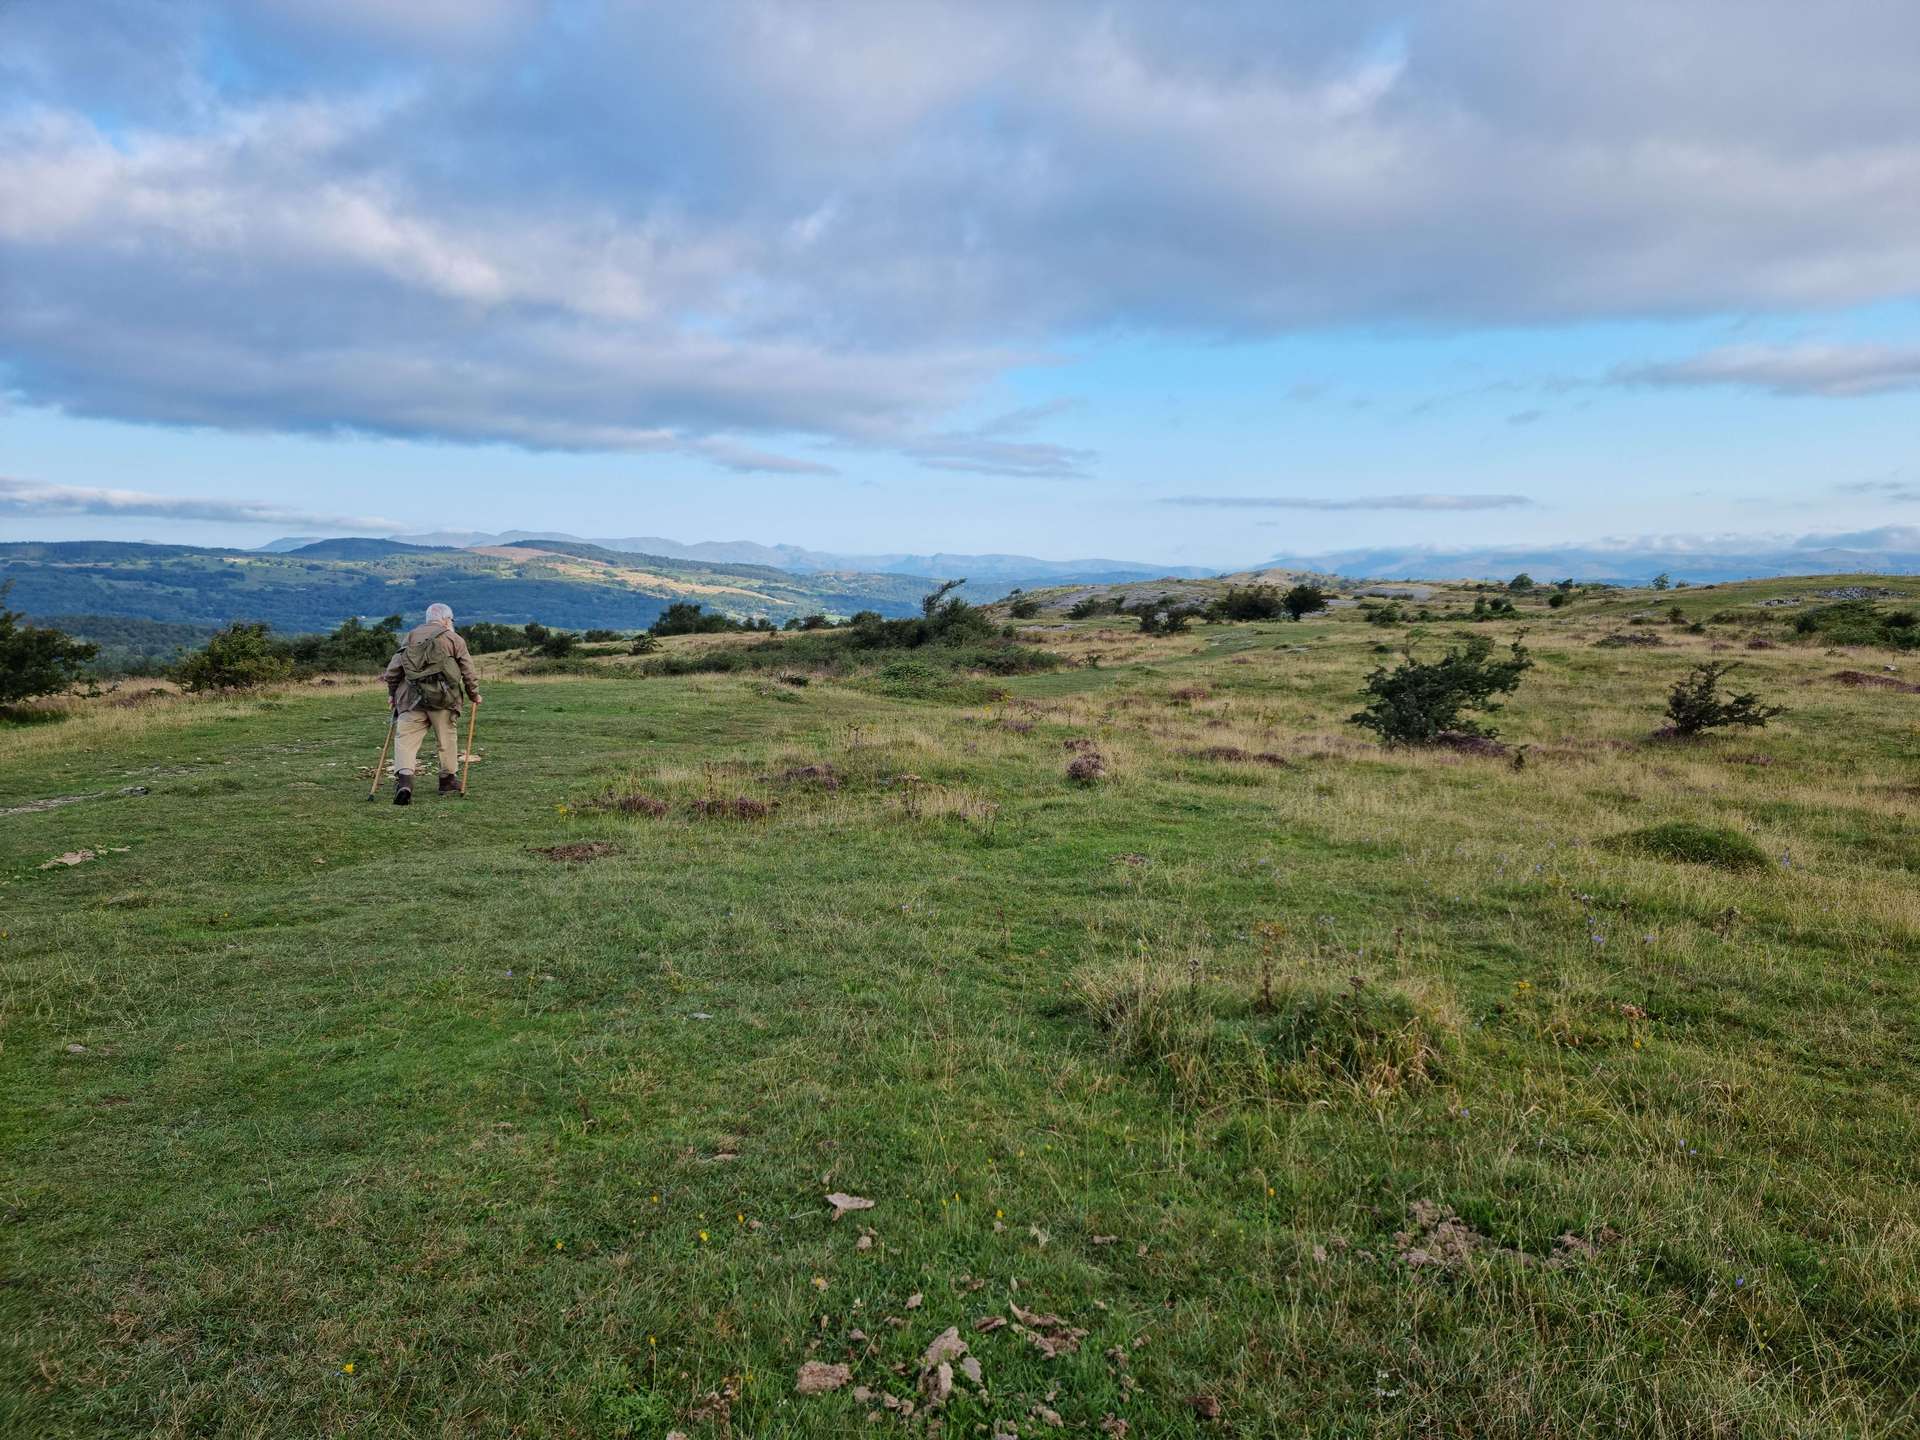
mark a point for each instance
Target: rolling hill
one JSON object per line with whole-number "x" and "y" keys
{"x": 317, "y": 585}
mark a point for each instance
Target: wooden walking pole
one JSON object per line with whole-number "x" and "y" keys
{"x": 466, "y": 760}
{"x": 380, "y": 765}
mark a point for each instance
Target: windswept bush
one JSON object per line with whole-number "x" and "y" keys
{"x": 1419, "y": 700}
{"x": 1695, "y": 704}
{"x": 240, "y": 657}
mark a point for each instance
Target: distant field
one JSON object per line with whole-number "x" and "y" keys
{"x": 1269, "y": 1083}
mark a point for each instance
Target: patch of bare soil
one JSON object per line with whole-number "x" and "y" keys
{"x": 825, "y": 777}
{"x": 1439, "y": 1239}
{"x": 1087, "y": 767}
{"x": 1233, "y": 754}
{"x": 1461, "y": 743}
{"x": 578, "y": 853}
{"x": 740, "y": 807}
{"x": 634, "y": 802}
{"x": 1862, "y": 679}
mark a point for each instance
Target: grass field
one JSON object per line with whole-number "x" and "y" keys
{"x": 1327, "y": 1090}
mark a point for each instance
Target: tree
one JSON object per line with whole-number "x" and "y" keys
{"x": 1418, "y": 700}
{"x": 239, "y": 657}
{"x": 1304, "y": 600}
{"x": 1662, "y": 581}
{"x": 1695, "y": 704}
{"x": 1248, "y": 602}
{"x": 1522, "y": 581}
{"x": 34, "y": 659}
{"x": 558, "y": 644}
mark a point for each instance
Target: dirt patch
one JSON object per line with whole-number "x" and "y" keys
{"x": 823, "y": 777}
{"x": 632, "y": 803}
{"x": 1087, "y": 767}
{"x": 740, "y": 807}
{"x": 35, "y": 807}
{"x": 1461, "y": 743}
{"x": 1438, "y": 1239}
{"x": 1862, "y": 679}
{"x": 1234, "y": 755}
{"x": 1628, "y": 640}
{"x": 578, "y": 853}
{"x": 1191, "y": 693}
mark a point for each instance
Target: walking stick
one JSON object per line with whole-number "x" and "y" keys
{"x": 380, "y": 765}
{"x": 466, "y": 760}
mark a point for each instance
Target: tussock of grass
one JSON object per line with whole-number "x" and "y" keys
{"x": 1695, "y": 845}
{"x": 1217, "y": 1045}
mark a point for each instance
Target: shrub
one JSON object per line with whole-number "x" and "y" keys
{"x": 1304, "y": 600}
{"x": 1695, "y": 845}
{"x": 1087, "y": 607}
{"x": 1165, "y": 616}
{"x": 35, "y": 660}
{"x": 600, "y": 637}
{"x": 1520, "y": 582}
{"x": 1415, "y": 702}
{"x": 1860, "y": 622}
{"x": 558, "y": 644}
{"x": 683, "y": 617}
{"x": 239, "y": 657}
{"x": 1025, "y": 608}
{"x": 1695, "y": 704}
{"x": 485, "y": 637}
{"x": 352, "y": 646}
{"x": 1248, "y": 602}
{"x": 1557, "y": 599}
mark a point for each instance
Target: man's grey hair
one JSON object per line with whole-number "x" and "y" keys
{"x": 439, "y": 612}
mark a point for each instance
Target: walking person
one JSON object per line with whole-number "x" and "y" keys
{"x": 425, "y": 681}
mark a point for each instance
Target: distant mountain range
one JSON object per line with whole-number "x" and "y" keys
{"x": 1892, "y": 550}
{"x": 988, "y": 576}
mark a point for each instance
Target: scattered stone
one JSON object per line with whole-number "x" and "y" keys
{"x": 844, "y": 1204}
{"x": 817, "y": 1377}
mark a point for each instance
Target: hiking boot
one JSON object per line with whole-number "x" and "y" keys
{"x": 449, "y": 784}
{"x": 403, "y": 789}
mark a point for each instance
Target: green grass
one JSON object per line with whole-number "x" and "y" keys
{"x": 1186, "y": 1056}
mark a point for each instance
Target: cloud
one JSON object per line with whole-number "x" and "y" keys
{"x": 1352, "y": 502}
{"x": 1807, "y": 369}
{"x": 28, "y": 497}
{"x": 1882, "y": 537}
{"x": 729, "y": 229}
{"x": 1881, "y": 489}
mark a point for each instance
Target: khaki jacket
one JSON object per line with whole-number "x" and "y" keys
{"x": 401, "y": 690}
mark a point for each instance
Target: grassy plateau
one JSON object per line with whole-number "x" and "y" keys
{"x": 1260, "y": 1082}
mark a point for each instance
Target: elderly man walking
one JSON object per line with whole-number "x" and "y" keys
{"x": 425, "y": 680}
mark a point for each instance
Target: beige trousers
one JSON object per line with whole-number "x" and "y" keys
{"x": 412, "y": 729}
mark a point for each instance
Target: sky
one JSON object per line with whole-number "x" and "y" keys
{"x": 1192, "y": 284}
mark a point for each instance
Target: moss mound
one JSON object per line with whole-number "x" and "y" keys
{"x": 1695, "y": 845}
